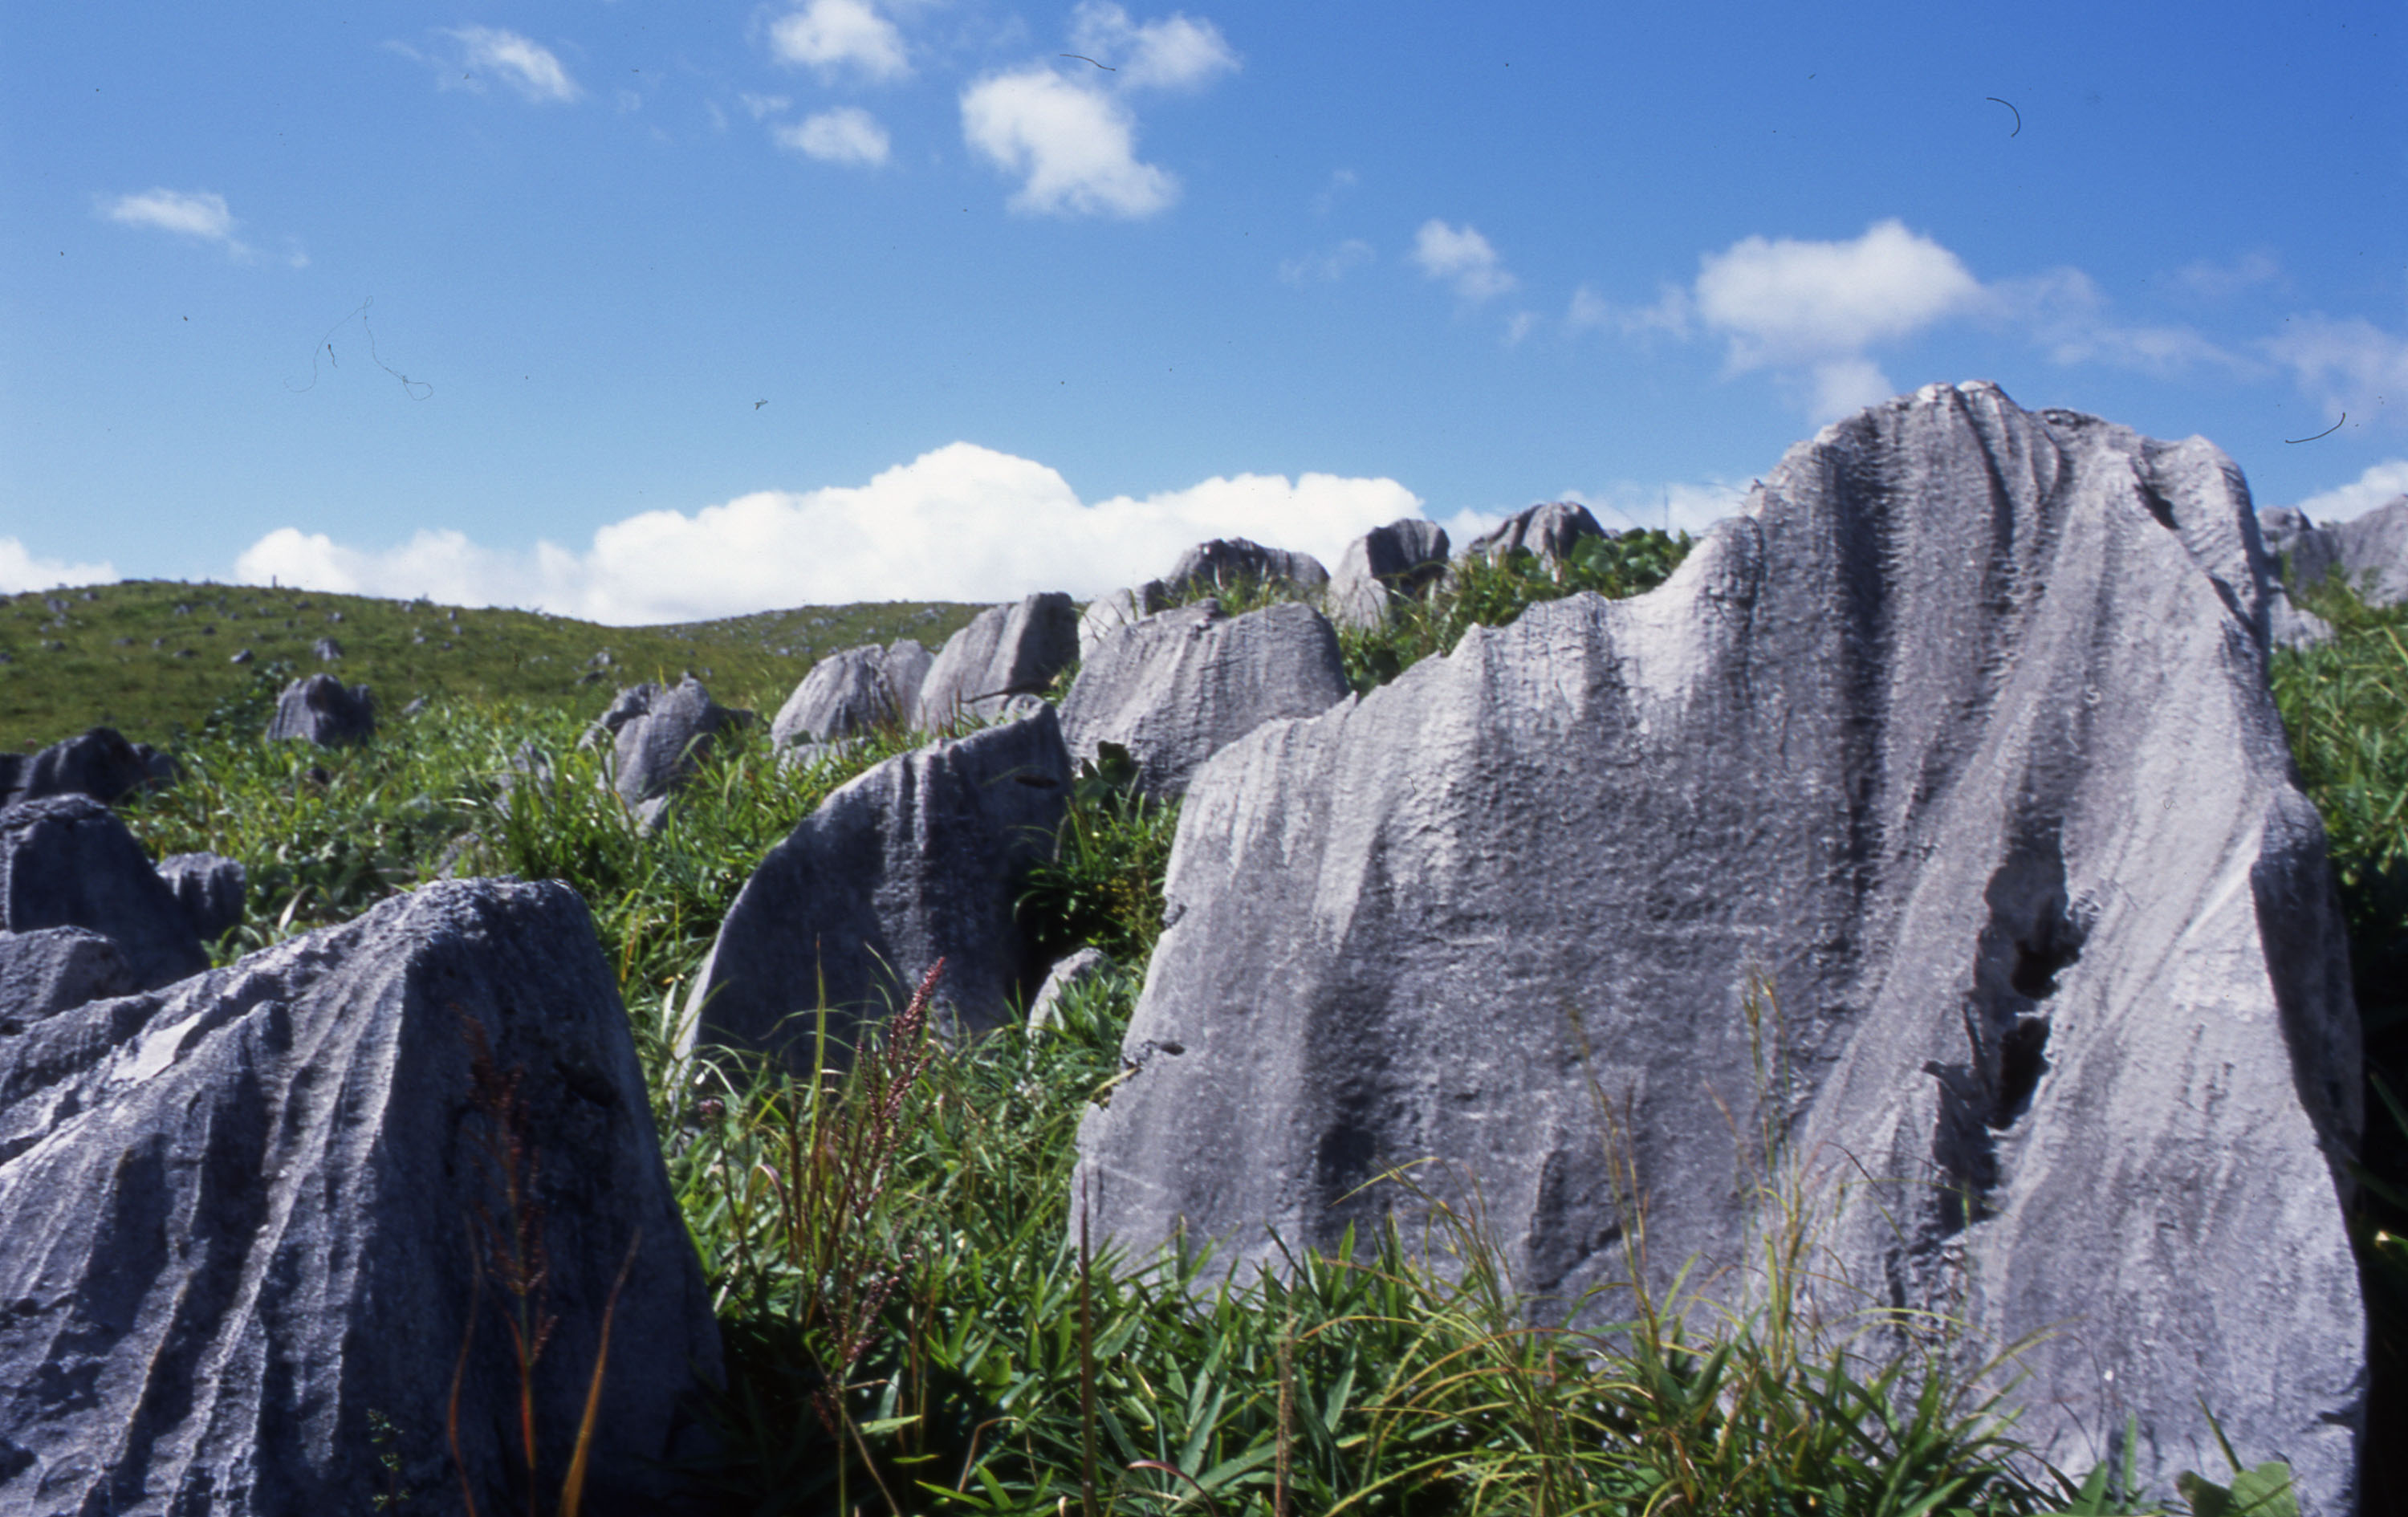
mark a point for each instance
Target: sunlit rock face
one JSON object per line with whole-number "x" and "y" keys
{"x": 1934, "y": 819}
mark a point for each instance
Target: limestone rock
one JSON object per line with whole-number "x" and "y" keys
{"x": 240, "y": 1216}
{"x": 209, "y": 888}
{"x": 1006, "y": 650}
{"x": 2369, "y": 551}
{"x": 1551, "y": 530}
{"x": 1383, "y": 566}
{"x": 1181, "y": 685}
{"x": 52, "y": 968}
{"x": 99, "y": 764}
{"x": 68, "y": 862}
{"x": 1959, "y": 744}
{"x": 322, "y": 710}
{"x": 923, "y": 856}
{"x": 660, "y": 737}
{"x": 853, "y": 691}
{"x": 1060, "y": 980}
{"x": 1120, "y": 609}
{"x": 1227, "y": 563}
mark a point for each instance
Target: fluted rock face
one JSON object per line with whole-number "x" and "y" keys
{"x": 2369, "y": 551}
{"x": 242, "y": 1217}
{"x": 209, "y": 888}
{"x": 100, "y": 764}
{"x": 853, "y": 691}
{"x": 323, "y": 710}
{"x": 1006, "y": 650}
{"x": 1551, "y": 530}
{"x": 659, "y": 747}
{"x": 1957, "y": 744}
{"x": 920, "y": 858}
{"x": 1178, "y": 687}
{"x": 68, "y": 862}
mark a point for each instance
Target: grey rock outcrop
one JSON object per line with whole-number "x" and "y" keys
{"x": 1551, "y": 530}
{"x": 923, "y": 856}
{"x": 68, "y": 862}
{"x": 52, "y": 968}
{"x": 245, "y": 1215}
{"x": 1061, "y": 980}
{"x": 1109, "y": 613}
{"x": 209, "y": 888}
{"x": 2369, "y": 551}
{"x": 1229, "y": 562}
{"x": 1181, "y": 685}
{"x": 1959, "y": 744}
{"x": 1006, "y": 650}
{"x": 659, "y": 737}
{"x": 99, "y": 764}
{"x": 853, "y": 691}
{"x": 1385, "y": 567}
{"x": 323, "y": 710}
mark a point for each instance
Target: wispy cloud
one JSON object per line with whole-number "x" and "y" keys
{"x": 1073, "y": 146}
{"x": 201, "y": 215}
{"x": 963, "y": 523}
{"x": 762, "y": 107}
{"x": 2380, "y": 485}
{"x": 1328, "y": 266}
{"x": 21, "y": 570}
{"x": 527, "y": 67}
{"x": 2347, "y": 363}
{"x": 847, "y": 134}
{"x": 2209, "y": 280}
{"x": 1180, "y": 53}
{"x": 837, "y": 37}
{"x": 1462, "y": 257}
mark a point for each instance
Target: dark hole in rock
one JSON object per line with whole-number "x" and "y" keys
{"x": 1035, "y": 781}
{"x": 2021, "y": 1060}
{"x": 2039, "y": 963}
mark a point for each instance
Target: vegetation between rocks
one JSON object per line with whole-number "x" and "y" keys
{"x": 915, "y": 1321}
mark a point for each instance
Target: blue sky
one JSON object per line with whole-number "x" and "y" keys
{"x": 644, "y": 311}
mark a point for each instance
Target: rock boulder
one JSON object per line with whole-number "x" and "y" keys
{"x": 323, "y": 710}
{"x": 2369, "y": 551}
{"x": 99, "y": 764}
{"x": 1551, "y": 530}
{"x": 1006, "y": 650}
{"x": 853, "y": 691}
{"x": 1181, "y": 685}
{"x": 923, "y": 856}
{"x": 1385, "y": 567}
{"x": 209, "y": 888}
{"x": 660, "y": 737}
{"x": 242, "y": 1218}
{"x": 1933, "y": 818}
{"x": 68, "y": 862}
{"x": 1229, "y": 563}
{"x": 52, "y": 968}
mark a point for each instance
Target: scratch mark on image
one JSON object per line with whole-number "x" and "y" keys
{"x": 2019, "y": 115}
{"x": 2325, "y": 433}
{"x": 414, "y": 389}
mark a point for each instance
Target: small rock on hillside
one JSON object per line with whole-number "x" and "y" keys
{"x": 1181, "y": 685}
{"x": 1383, "y": 568}
{"x": 1550, "y": 530}
{"x": 1934, "y": 819}
{"x": 68, "y": 862}
{"x": 2369, "y": 551}
{"x": 923, "y": 856}
{"x": 1230, "y": 563}
{"x": 99, "y": 764}
{"x": 323, "y": 710}
{"x": 853, "y": 691}
{"x": 241, "y": 1222}
{"x": 660, "y": 737}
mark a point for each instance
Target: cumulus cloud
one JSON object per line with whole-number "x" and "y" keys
{"x": 1792, "y": 304}
{"x": 839, "y": 36}
{"x": 962, "y": 522}
{"x": 20, "y": 570}
{"x": 847, "y": 134}
{"x": 1327, "y": 267}
{"x": 2350, "y": 364}
{"x": 2380, "y": 485}
{"x": 1073, "y": 146}
{"x": 525, "y": 66}
{"x": 1180, "y": 53}
{"x": 1463, "y": 257}
{"x": 197, "y": 214}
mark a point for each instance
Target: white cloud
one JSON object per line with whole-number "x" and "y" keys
{"x": 760, "y": 106}
{"x": 1676, "y": 507}
{"x": 847, "y": 134}
{"x": 1326, "y": 267}
{"x": 1074, "y": 146}
{"x": 525, "y": 66}
{"x": 2211, "y": 281}
{"x": 2349, "y": 366}
{"x": 1669, "y": 315}
{"x": 20, "y": 570}
{"x": 197, "y": 214}
{"x": 1517, "y": 326}
{"x": 1175, "y": 55}
{"x": 2065, "y": 312}
{"x": 1463, "y": 256}
{"x": 1785, "y": 301}
{"x": 833, "y": 36}
{"x": 2380, "y": 485}
{"x": 962, "y": 522}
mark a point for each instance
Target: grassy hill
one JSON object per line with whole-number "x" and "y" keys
{"x": 154, "y": 657}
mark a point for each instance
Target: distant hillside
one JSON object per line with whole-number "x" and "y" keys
{"x": 153, "y": 657}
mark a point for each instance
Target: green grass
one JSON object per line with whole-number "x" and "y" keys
{"x": 913, "y": 1322}
{"x": 152, "y": 658}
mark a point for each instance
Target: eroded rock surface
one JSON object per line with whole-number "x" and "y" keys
{"x": 52, "y": 968}
{"x": 853, "y": 691}
{"x": 2369, "y": 551}
{"x": 209, "y": 887}
{"x": 100, "y": 764}
{"x": 923, "y": 856}
{"x": 1954, "y": 758}
{"x": 1551, "y": 530}
{"x": 239, "y": 1217}
{"x": 659, "y": 737}
{"x": 1181, "y": 685}
{"x": 1232, "y": 563}
{"x": 1385, "y": 567}
{"x": 1006, "y": 650}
